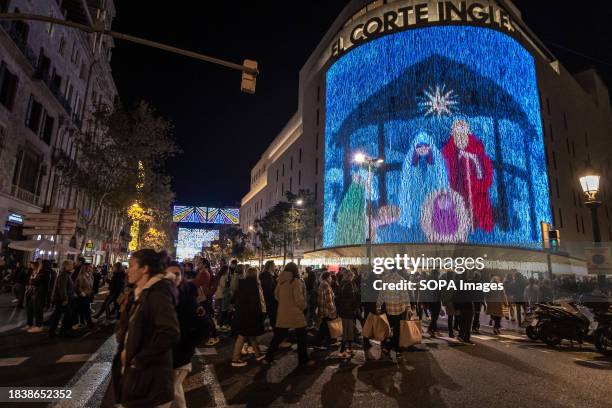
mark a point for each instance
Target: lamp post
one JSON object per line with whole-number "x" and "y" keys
{"x": 371, "y": 164}
{"x": 299, "y": 202}
{"x": 589, "y": 183}
{"x": 261, "y": 250}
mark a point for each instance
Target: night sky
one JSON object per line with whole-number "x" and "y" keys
{"x": 222, "y": 131}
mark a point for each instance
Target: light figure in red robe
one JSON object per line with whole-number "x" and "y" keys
{"x": 470, "y": 173}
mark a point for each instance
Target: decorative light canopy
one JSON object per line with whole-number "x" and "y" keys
{"x": 205, "y": 215}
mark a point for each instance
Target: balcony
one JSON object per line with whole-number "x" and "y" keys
{"x": 24, "y": 195}
{"x": 20, "y": 41}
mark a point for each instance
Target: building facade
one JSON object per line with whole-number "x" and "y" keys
{"x": 51, "y": 79}
{"x": 482, "y": 131}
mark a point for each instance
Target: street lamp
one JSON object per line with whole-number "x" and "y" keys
{"x": 589, "y": 183}
{"x": 298, "y": 202}
{"x": 371, "y": 164}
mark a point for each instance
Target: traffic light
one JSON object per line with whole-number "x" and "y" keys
{"x": 554, "y": 237}
{"x": 249, "y": 79}
{"x": 551, "y": 238}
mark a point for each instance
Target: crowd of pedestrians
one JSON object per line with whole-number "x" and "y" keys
{"x": 165, "y": 309}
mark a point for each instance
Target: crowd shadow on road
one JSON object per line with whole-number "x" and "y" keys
{"x": 497, "y": 356}
{"x": 415, "y": 381}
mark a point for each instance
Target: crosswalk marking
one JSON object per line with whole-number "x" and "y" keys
{"x": 208, "y": 351}
{"x": 87, "y": 385}
{"x": 74, "y": 358}
{"x": 10, "y": 362}
{"x": 482, "y": 337}
{"x": 511, "y": 337}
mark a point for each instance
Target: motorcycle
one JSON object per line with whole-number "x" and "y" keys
{"x": 602, "y": 336}
{"x": 564, "y": 320}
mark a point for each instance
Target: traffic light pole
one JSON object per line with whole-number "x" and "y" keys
{"x": 99, "y": 28}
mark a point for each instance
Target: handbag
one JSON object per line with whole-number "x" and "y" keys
{"x": 410, "y": 333}
{"x": 335, "y": 327}
{"x": 376, "y": 327}
{"x": 506, "y": 310}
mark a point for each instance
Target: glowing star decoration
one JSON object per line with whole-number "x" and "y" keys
{"x": 438, "y": 101}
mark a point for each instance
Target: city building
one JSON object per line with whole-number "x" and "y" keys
{"x": 482, "y": 131}
{"x": 51, "y": 79}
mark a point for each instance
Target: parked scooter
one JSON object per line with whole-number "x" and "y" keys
{"x": 564, "y": 320}
{"x": 602, "y": 310}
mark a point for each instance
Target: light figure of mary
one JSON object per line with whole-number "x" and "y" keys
{"x": 423, "y": 172}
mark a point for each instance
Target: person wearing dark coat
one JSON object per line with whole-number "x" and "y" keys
{"x": 142, "y": 370}
{"x": 268, "y": 284}
{"x": 36, "y": 295}
{"x": 347, "y": 305}
{"x": 63, "y": 299}
{"x": 194, "y": 328}
{"x": 249, "y": 316}
{"x": 115, "y": 289}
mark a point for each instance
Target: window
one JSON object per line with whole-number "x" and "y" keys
{"x": 550, "y": 132}
{"x": 291, "y": 163}
{"x": 317, "y": 142}
{"x": 560, "y": 218}
{"x": 577, "y": 227}
{"x": 283, "y": 189}
{"x": 318, "y": 117}
{"x": 316, "y": 166}
{"x": 291, "y": 184}
{"x": 4, "y": 6}
{"x": 300, "y": 156}
{"x": 283, "y": 169}
{"x": 48, "y": 129}
{"x": 582, "y": 222}
{"x": 318, "y": 93}
{"x": 548, "y": 106}
{"x": 316, "y": 191}
{"x": 567, "y": 145}
{"x": 276, "y": 174}
{"x": 565, "y": 120}
{"x": 34, "y": 115}
{"x": 8, "y": 87}
{"x": 299, "y": 177}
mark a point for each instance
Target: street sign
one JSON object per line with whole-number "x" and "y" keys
{"x": 57, "y": 222}
{"x": 599, "y": 260}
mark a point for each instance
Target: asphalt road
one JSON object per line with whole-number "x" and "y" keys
{"x": 499, "y": 371}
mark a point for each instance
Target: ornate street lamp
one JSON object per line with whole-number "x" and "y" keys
{"x": 590, "y": 187}
{"x": 589, "y": 183}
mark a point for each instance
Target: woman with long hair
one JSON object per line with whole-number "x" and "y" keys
{"x": 84, "y": 292}
{"x": 142, "y": 373}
